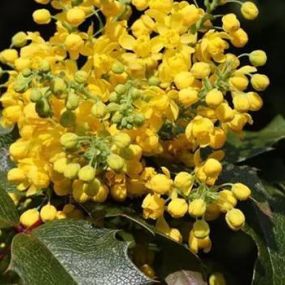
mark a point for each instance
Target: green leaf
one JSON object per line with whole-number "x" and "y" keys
{"x": 255, "y": 143}
{"x": 269, "y": 236}
{"x": 8, "y": 213}
{"x": 73, "y": 252}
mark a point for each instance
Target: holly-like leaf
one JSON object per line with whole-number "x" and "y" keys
{"x": 255, "y": 143}
{"x": 73, "y": 252}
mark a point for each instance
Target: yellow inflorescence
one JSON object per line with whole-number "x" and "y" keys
{"x": 95, "y": 106}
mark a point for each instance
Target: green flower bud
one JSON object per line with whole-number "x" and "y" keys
{"x": 81, "y": 76}
{"x": 115, "y": 162}
{"x": 99, "y": 109}
{"x": 76, "y": 2}
{"x": 117, "y": 117}
{"x": 153, "y": 81}
{"x": 21, "y": 85}
{"x": 69, "y": 140}
{"x": 114, "y": 97}
{"x": 19, "y": 39}
{"x": 26, "y": 72}
{"x": 72, "y": 101}
{"x": 118, "y": 68}
{"x": 121, "y": 89}
{"x": 68, "y": 119}
{"x": 135, "y": 93}
{"x": 59, "y": 86}
{"x": 86, "y": 173}
{"x": 44, "y": 66}
{"x": 43, "y": 108}
{"x": 113, "y": 107}
{"x": 122, "y": 140}
{"x": 139, "y": 119}
{"x": 71, "y": 170}
{"x": 36, "y": 95}
{"x": 93, "y": 187}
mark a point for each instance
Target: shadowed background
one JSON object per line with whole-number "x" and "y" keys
{"x": 267, "y": 32}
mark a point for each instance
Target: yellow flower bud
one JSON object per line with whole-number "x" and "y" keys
{"x": 241, "y": 191}
{"x": 153, "y": 206}
{"x": 48, "y": 213}
{"x": 160, "y": 184}
{"x": 255, "y": 101}
{"x": 239, "y": 38}
{"x": 69, "y": 140}
{"x": 249, "y": 10}
{"x": 217, "y": 278}
{"x": 122, "y": 140}
{"x": 19, "y": 149}
{"x": 60, "y": 165}
{"x": 190, "y": 15}
{"x": 19, "y": 39}
{"x": 259, "y": 82}
{"x": 239, "y": 82}
{"x": 235, "y": 219}
{"x": 101, "y": 195}
{"x": 175, "y": 235}
{"x": 183, "y": 181}
{"x": 93, "y": 187}
{"x": 8, "y": 56}
{"x": 241, "y": 102}
{"x": 226, "y": 200}
{"x": 62, "y": 187}
{"x": 188, "y": 96}
{"x": 71, "y": 170}
{"x": 42, "y": 16}
{"x": 183, "y": 80}
{"x": 224, "y": 112}
{"x": 73, "y": 42}
{"x": 197, "y": 208}
{"x": 230, "y": 23}
{"x": 43, "y": 2}
{"x": 99, "y": 109}
{"x": 201, "y": 70}
{"x": 214, "y": 98}
{"x": 201, "y": 229}
{"x": 16, "y": 175}
{"x": 86, "y": 173}
{"x": 75, "y": 16}
{"x": 140, "y": 4}
{"x": 78, "y": 191}
{"x": 212, "y": 167}
{"x": 115, "y": 162}
{"x": 218, "y": 139}
{"x": 30, "y": 217}
{"x": 118, "y": 68}
{"x": 258, "y": 58}
{"x": 177, "y": 208}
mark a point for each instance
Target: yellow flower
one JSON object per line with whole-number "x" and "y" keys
{"x": 235, "y": 219}
{"x": 230, "y": 23}
{"x": 259, "y": 82}
{"x": 200, "y": 70}
{"x": 42, "y": 16}
{"x": 197, "y": 208}
{"x": 160, "y": 184}
{"x": 8, "y": 56}
{"x": 184, "y": 181}
{"x": 188, "y": 96}
{"x": 201, "y": 229}
{"x": 249, "y": 10}
{"x": 48, "y": 213}
{"x": 30, "y": 218}
{"x": 75, "y": 16}
{"x": 214, "y": 98}
{"x": 226, "y": 200}
{"x": 153, "y": 206}
{"x": 258, "y": 58}
{"x": 177, "y": 208}
{"x": 239, "y": 38}
{"x": 241, "y": 191}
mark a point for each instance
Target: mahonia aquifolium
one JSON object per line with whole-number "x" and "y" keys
{"x": 163, "y": 87}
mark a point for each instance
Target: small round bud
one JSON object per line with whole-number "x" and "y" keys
{"x": 139, "y": 119}
{"x": 183, "y": 80}
{"x": 19, "y": 39}
{"x": 260, "y": 82}
{"x": 43, "y": 108}
{"x": 69, "y": 140}
{"x": 81, "y": 76}
{"x": 72, "y": 101}
{"x": 48, "y": 213}
{"x": 71, "y": 170}
{"x": 214, "y": 98}
{"x": 201, "y": 70}
{"x": 86, "y": 173}
{"x": 160, "y": 184}
{"x": 241, "y": 191}
{"x": 36, "y": 95}
{"x": 258, "y": 58}
{"x": 212, "y": 167}
{"x": 44, "y": 66}
{"x": 122, "y": 140}
{"x": 59, "y": 86}
{"x": 188, "y": 96}
{"x": 75, "y": 16}
{"x": 230, "y": 23}
{"x": 183, "y": 181}
{"x": 197, "y": 208}
{"x": 153, "y": 81}
{"x": 67, "y": 119}
{"x": 118, "y": 68}
{"x": 99, "y": 109}
{"x": 42, "y": 16}
{"x": 235, "y": 219}
{"x": 27, "y": 72}
{"x": 177, "y": 208}
{"x": 201, "y": 229}
{"x": 115, "y": 162}
{"x": 93, "y": 187}
{"x": 73, "y": 42}
{"x": 60, "y": 165}
{"x": 249, "y": 10}
{"x": 30, "y": 217}
{"x": 43, "y": 2}
{"x": 121, "y": 89}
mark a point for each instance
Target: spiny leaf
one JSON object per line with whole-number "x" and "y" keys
{"x": 73, "y": 252}
{"x": 255, "y": 143}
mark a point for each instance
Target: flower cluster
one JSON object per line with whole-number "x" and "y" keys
{"x": 116, "y": 108}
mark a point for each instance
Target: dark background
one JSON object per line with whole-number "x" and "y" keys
{"x": 267, "y": 32}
